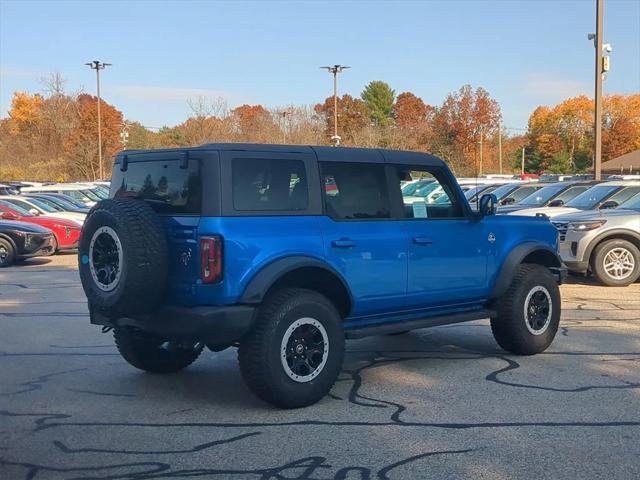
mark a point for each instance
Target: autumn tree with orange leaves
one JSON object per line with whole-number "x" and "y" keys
{"x": 560, "y": 138}
{"x": 53, "y": 135}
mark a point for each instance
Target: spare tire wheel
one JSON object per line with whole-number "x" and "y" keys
{"x": 122, "y": 257}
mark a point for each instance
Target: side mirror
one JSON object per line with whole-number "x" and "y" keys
{"x": 556, "y": 203}
{"x": 609, "y": 204}
{"x": 488, "y": 205}
{"x": 508, "y": 201}
{"x": 9, "y": 216}
{"x": 33, "y": 211}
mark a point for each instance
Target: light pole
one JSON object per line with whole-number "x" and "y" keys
{"x": 97, "y": 66}
{"x": 335, "y": 70}
{"x": 284, "y": 115}
{"x": 597, "y": 42}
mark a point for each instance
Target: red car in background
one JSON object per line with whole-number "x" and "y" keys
{"x": 65, "y": 232}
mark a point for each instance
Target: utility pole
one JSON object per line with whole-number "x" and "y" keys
{"x": 597, "y": 128}
{"x": 522, "y": 165}
{"x": 480, "y": 169}
{"x": 335, "y": 70}
{"x": 97, "y": 66}
{"x": 500, "y": 147}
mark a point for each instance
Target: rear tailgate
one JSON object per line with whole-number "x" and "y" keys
{"x": 171, "y": 182}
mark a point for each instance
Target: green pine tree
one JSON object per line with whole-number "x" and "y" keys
{"x": 380, "y": 98}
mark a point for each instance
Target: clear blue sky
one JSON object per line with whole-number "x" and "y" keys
{"x": 525, "y": 53}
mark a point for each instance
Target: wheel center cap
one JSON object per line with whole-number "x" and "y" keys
{"x": 299, "y": 348}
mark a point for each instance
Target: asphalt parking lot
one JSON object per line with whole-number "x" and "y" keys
{"x": 438, "y": 403}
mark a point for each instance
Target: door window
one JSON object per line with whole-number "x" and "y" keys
{"x": 355, "y": 191}
{"x": 428, "y": 194}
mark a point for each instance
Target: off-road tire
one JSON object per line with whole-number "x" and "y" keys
{"x": 598, "y": 258}
{"x": 509, "y": 326}
{"x": 10, "y": 255}
{"x": 142, "y": 279}
{"x": 151, "y": 353}
{"x": 260, "y": 351}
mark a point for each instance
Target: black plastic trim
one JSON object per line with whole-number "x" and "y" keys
{"x": 607, "y": 235}
{"x": 265, "y": 278}
{"x": 515, "y": 258}
{"x": 394, "y": 327}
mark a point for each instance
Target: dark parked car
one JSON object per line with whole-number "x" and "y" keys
{"x": 514, "y": 192}
{"x": 552, "y": 195}
{"x": 20, "y": 240}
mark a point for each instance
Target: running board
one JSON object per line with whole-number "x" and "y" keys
{"x": 403, "y": 326}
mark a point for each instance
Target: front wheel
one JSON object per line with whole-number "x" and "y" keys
{"x": 154, "y": 354}
{"x": 293, "y": 354}
{"x": 528, "y": 313}
{"x": 7, "y": 253}
{"x": 616, "y": 263}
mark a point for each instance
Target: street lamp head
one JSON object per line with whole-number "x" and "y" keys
{"x": 591, "y": 36}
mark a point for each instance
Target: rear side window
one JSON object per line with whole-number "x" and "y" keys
{"x": 166, "y": 186}
{"x": 269, "y": 184}
{"x": 355, "y": 191}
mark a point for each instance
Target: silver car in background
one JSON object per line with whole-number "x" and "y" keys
{"x": 603, "y": 242}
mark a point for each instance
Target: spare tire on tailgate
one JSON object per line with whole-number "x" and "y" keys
{"x": 123, "y": 257}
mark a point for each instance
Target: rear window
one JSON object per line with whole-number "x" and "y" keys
{"x": 269, "y": 185}
{"x": 166, "y": 186}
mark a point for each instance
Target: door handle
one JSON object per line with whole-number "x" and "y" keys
{"x": 422, "y": 241}
{"x": 343, "y": 243}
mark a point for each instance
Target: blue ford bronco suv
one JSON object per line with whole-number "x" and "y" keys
{"x": 286, "y": 251}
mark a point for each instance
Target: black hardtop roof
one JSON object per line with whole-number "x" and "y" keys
{"x": 323, "y": 153}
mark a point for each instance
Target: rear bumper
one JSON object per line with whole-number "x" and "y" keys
{"x": 220, "y": 325}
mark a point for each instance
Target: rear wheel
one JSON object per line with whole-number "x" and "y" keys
{"x": 528, "y": 314}
{"x": 154, "y": 354}
{"x": 7, "y": 253}
{"x": 616, "y": 263}
{"x": 293, "y": 354}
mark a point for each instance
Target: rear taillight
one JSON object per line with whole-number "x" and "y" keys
{"x": 210, "y": 259}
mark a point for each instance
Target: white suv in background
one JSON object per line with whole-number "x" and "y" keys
{"x": 80, "y": 192}
{"x": 599, "y": 197}
{"x": 604, "y": 242}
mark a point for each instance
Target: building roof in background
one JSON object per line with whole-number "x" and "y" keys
{"x": 623, "y": 163}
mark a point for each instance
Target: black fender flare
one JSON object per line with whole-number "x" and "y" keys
{"x": 515, "y": 258}
{"x": 270, "y": 273}
{"x": 609, "y": 235}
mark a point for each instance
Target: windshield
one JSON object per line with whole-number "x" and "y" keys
{"x": 17, "y": 208}
{"x": 58, "y": 202}
{"x": 43, "y": 206}
{"x": 632, "y": 204}
{"x": 427, "y": 189}
{"x": 73, "y": 201}
{"x": 92, "y": 195}
{"x": 592, "y": 197}
{"x": 543, "y": 195}
{"x": 101, "y": 190}
{"x": 410, "y": 188}
{"x": 504, "y": 190}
